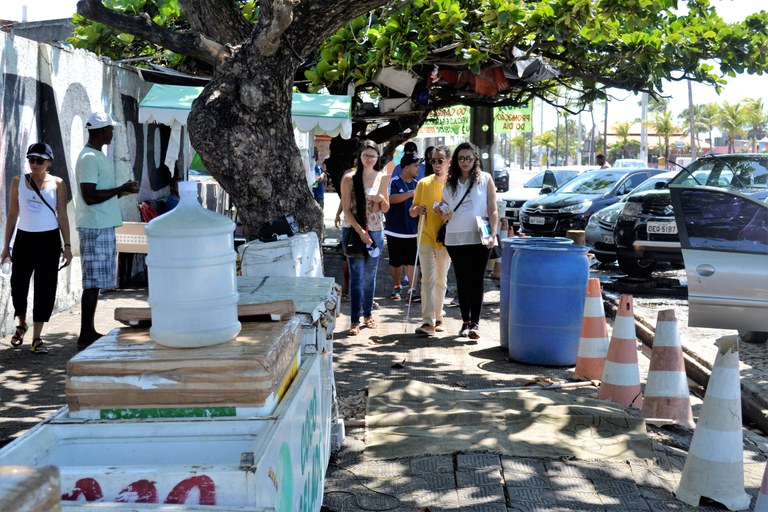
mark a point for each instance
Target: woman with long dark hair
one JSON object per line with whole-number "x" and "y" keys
{"x": 471, "y": 197}
{"x": 37, "y": 212}
{"x": 364, "y": 199}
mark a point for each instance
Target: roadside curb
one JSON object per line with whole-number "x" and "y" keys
{"x": 753, "y": 404}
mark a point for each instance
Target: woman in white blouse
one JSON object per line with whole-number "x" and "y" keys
{"x": 471, "y": 197}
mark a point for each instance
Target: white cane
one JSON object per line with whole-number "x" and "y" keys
{"x": 422, "y": 221}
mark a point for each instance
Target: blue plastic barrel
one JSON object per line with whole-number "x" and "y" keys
{"x": 549, "y": 289}
{"x": 507, "y": 252}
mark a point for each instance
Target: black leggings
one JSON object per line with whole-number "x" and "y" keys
{"x": 39, "y": 253}
{"x": 469, "y": 264}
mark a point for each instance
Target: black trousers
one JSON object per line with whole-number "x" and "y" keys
{"x": 36, "y": 253}
{"x": 469, "y": 264}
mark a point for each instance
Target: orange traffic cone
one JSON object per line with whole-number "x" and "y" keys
{"x": 621, "y": 375}
{"x": 593, "y": 344}
{"x": 762, "y": 498}
{"x": 714, "y": 467}
{"x": 667, "y": 396}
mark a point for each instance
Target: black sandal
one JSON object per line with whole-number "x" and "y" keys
{"x": 38, "y": 347}
{"x": 18, "y": 338}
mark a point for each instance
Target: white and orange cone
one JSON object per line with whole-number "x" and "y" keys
{"x": 714, "y": 467}
{"x": 667, "y": 396}
{"x": 593, "y": 344}
{"x": 762, "y": 498}
{"x": 621, "y": 374}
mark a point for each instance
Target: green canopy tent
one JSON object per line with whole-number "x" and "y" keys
{"x": 310, "y": 113}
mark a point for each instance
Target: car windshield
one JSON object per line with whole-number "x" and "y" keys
{"x": 650, "y": 183}
{"x": 628, "y": 163}
{"x": 595, "y": 182}
{"x": 561, "y": 177}
{"x": 732, "y": 172}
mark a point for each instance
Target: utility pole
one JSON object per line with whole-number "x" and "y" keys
{"x": 692, "y": 120}
{"x": 605, "y": 130}
{"x": 644, "y": 129}
{"x": 579, "y": 139}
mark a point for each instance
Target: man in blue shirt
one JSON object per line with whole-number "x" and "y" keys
{"x": 410, "y": 148}
{"x": 400, "y": 228}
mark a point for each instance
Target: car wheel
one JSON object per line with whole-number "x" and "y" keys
{"x": 753, "y": 336}
{"x": 605, "y": 259}
{"x": 635, "y": 267}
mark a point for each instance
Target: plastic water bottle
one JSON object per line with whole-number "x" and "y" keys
{"x": 5, "y": 268}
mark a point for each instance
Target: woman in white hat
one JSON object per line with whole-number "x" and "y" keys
{"x": 37, "y": 211}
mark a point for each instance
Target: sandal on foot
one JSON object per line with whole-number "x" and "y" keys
{"x": 354, "y": 330}
{"x": 370, "y": 322}
{"x": 38, "y": 347}
{"x": 18, "y": 338}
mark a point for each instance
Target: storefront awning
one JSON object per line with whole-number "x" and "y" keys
{"x": 316, "y": 113}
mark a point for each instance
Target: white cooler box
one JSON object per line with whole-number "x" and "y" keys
{"x": 298, "y": 256}
{"x": 265, "y": 463}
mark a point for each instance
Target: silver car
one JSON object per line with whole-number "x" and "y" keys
{"x": 724, "y": 238}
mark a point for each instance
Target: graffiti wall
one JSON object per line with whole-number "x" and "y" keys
{"x": 47, "y": 94}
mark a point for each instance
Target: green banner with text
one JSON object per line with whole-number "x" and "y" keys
{"x": 455, "y": 121}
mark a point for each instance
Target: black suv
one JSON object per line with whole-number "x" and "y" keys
{"x": 572, "y": 204}
{"x": 646, "y": 231}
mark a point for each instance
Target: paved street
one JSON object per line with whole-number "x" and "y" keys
{"x": 32, "y": 387}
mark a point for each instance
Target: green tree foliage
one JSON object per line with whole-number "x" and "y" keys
{"x": 664, "y": 128}
{"x": 704, "y": 121}
{"x": 756, "y": 118}
{"x": 732, "y": 121}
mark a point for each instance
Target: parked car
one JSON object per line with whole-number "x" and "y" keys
{"x": 599, "y": 230}
{"x": 724, "y": 240}
{"x": 540, "y": 184}
{"x": 622, "y": 163}
{"x": 571, "y": 206}
{"x": 646, "y": 232}
{"x": 500, "y": 174}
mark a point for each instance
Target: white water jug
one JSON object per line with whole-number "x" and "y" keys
{"x": 192, "y": 274}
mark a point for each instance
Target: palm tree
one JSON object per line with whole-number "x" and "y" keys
{"x": 702, "y": 115}
{"x": 731, "y": 120}
{"x": 547, "y": 140}
{"x": 754, "y": 113}
{"x": 622, "y": 131}
{"x": 664, "y": 128}
{"x": 518, "y": 145}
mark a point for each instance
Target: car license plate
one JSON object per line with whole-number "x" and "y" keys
{"x": 607, "y": 239}
{"x": 539, "y": 221}
{"x": 661, "y": 228}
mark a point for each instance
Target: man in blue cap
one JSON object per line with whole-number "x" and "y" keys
{"x": 411, "y": 149}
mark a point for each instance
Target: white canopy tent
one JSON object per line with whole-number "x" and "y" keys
{"x": 311, "y": 113}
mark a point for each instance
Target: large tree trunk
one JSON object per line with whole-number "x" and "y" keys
{"x": 241, "y": 127}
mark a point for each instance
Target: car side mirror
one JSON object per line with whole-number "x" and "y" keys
{"x": 546, "y": 189}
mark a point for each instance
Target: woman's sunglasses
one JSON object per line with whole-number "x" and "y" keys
{"x": 35, "y": 160}
{"x": 436, "y": 161}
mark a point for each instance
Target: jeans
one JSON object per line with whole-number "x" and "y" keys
{"x": 469, "y": 263}
{"x": 362, "y": 280}
{"x": 434, "y": 265}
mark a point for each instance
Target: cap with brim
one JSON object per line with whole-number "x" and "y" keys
{"x": 40, "y": 149}
{"x": 410, "y": 147}
{"x": 99, "y": 120}
{"x": 409, "y": 159}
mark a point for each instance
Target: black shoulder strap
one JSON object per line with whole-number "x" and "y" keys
{"x": 464, "y": 196}
{"x": 36, "y": 189}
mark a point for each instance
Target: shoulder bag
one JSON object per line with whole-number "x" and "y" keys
{"x": 37, "y": 190}
{"x": 441, "y": 232}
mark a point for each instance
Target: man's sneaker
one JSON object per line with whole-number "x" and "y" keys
{"x": 396, "y": 294}
{"x": 454, "y": 303}
{"x": 474, "y": 332}
{"x": 426, "y": 329}
{"x": 464, "y": 332}
{"x": 439, "y": 327}
{"x": 414, "y": 295}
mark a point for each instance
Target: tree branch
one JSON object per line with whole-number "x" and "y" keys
{"x": 269, "y": 39}
{"x": 221, "y": 20}
{"x": 192, "y": 44}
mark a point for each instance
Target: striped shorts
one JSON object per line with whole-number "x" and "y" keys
{"x": 97, "y": 256}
